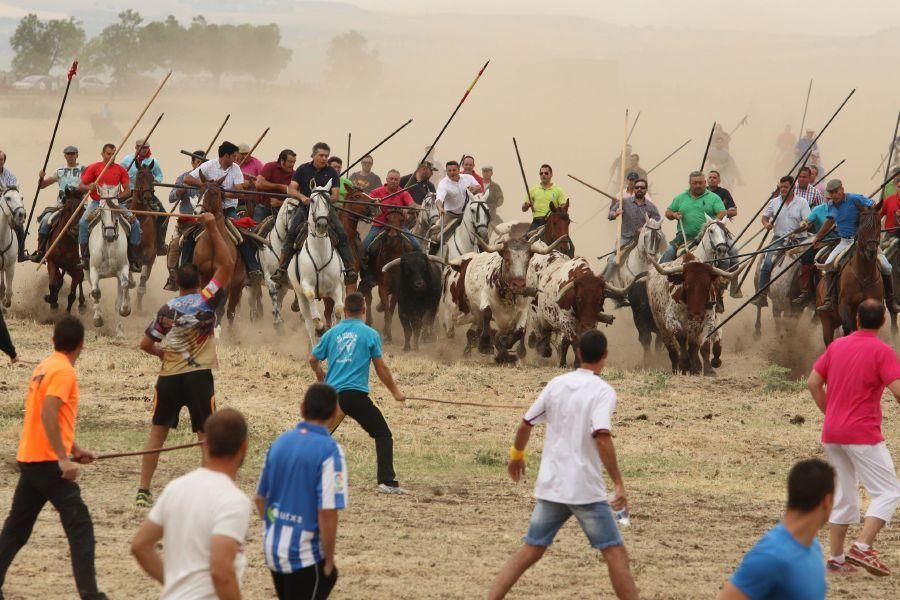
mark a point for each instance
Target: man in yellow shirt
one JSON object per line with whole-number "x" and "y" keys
{"x": 47, "y": 460}
{"x": 541, "y": 197}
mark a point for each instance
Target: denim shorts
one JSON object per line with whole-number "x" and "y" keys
{"x": 596, "y": 521}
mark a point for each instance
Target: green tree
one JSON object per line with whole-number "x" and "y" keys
{"x": 350, "y": 62}
{"x": 117, "y": 49}
{"x": 40, "y": 46}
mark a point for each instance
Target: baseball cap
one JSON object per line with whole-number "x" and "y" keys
{"x": 244, "y": 148}
{"x": 70, "y": 150}
{"x": 834, "y": 184}
{"x": 429, "y": 164}
{"x": 139, "y": 142}
{"x": 632, "y": 176}
{"x": 487, "y": 168}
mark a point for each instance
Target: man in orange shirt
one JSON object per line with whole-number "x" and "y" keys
{"x": 48, "y": 458}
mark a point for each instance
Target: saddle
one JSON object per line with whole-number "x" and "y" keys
{"x": 839, "y": 260}
{"x": 123, "y": 220}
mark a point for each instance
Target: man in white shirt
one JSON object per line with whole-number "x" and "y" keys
{"x": 453, "y": 193}
{"x": 202, "y": 520}
{"x": 578, "y": 409}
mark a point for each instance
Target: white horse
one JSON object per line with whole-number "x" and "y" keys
{"x": 782, "y": 291}
{"x": 12, "y": 212}
{"x": 651, "y": 242}
{"x": 109, "y": 257}
{"x": 475, "y": 223}
{"x": 428, "y": 218}
{"x": 316, "y": 272}
{"x": 269, "y": 258}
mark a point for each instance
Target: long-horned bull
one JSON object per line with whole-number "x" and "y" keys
{"x": 417, "y": 288}
{"x": 496, "y": 292}
{"x": 683, "y": 311}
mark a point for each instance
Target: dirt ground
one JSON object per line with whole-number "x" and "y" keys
{"x": 704, "y": 461}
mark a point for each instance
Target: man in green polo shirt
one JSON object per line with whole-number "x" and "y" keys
{"x": 541, "y": 197}
{"x": 691, "y": 208}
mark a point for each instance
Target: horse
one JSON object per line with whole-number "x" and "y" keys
{"x": 428, "y": 218}
{"x": 475, "y": 221}
{"x": 141, "y": 197}
{"x": 782, "y": 291}
{"x": 211, "y": 202}
{"x": 12, "y": 212}
{"x": 269, "y": 257}
{"x": 891, "y": 247}
{"x": 316, "y": 271}
{"x": 859, "y": 278}
{"x": 393, "y": 245}
{"x": 64, "y": 258}
{"x": 109, "y": 256}
{"x": 350, "y": 217}
{"x": 557, "y": 226}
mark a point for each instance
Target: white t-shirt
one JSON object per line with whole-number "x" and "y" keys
{"x": 213, "y": 170}
{"x": 191, "y": 510}
{"x": 453, "y": 193}
{"x": 790, "y": 216}
{"x": 574, "y": 406}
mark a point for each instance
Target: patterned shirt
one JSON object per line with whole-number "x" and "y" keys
{"x": 185, "y": 327}
{"x": 811, "y": 194}
{"x": 7, "y": 179}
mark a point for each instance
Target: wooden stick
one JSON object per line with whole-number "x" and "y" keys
{"x": 890, "y": 156}
{"x": 150, "y": 213}
{"x": 805, "y": 106}
{"x": 349, "y": 135}
{"x": 460, "y": 403}
{"x": 633, "y": 125}
{"x": 596, "y": 189}
{"x": 833, "y": 169}
{"x": 221, "y": 127}
{"x": 144, "y": 145}
{"x": 105, "y": 167}
{"x": 374, "y": 148}
{"x": 708, "y": 144}
{"x": 143, "y": 452}
{"x": 670, "y": 155}
{"x": 622, "y": 185}
{"x": 249, "y": 154}
{"x": 524, "y": 179}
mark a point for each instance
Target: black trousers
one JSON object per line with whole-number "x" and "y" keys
{"x": 40, "y": 483}
{"x": 6, "y": 343}
{"x": 359, "y": 407}
{"x": 309, "y": 583}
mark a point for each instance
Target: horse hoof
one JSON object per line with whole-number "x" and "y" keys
{"x": 98, "y": 321}
{"x": 7, "y": 303}
{"x": 54, "y": 306}
{"x": 48, "y": 299}
{"x": 379, "y": 307}
{"x": 81, "y": 308}
{"x": 95, "y": 295}
{"x": 295, "y": 306}
{"x": 716, "y": 362}
{"x": 757, "y": 334}
{"x": 126, "y": 310}
{"x": 131, "y": 283}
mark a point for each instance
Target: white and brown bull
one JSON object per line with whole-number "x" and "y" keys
{"x": 488, "y": 289}
{"x": 682, "y": 299}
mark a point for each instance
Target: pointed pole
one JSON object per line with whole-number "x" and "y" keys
{"x": 805, "y": 106}
{"x": 73, "y": 70}
{"x": 622, "y": 185}
{"x": 633, "y": 125}
{"x": 349, "y": 135}
{"x": 112, "y": 159}
{"x": 522, "y": 170}
{"x": 249, "y": 154}
{"x": 890, "y": 156}
{"x": 144, "y": 145}
{"x": 833, "y": 169}
{"x": 374, "y": 148}
{"x": 708, "y": 143}
{"x": 216, "y": 137}
{"x": 671, "y": 154}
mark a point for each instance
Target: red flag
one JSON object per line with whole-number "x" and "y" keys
{"x": 73, "y": 69}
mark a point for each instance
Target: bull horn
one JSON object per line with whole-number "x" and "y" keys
{"x": 391, "y": 265}
{"x": 436, "y": 259}
{"x": 551, "y": 247}
{"x": 616, "y": 292}
{"x": 487, "y": 247}
{"x": 724, "y": 273}
{"x": 666, "y": 270}
{"x": 564, "y": 290}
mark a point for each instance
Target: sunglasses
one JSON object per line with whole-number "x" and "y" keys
{"x": 545, "y": 172}
{"x": 640, "y": 187}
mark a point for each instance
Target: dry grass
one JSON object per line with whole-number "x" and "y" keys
{"x": 704, "y": 461}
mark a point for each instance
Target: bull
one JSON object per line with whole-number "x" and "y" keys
{"x": 682, "y": 300}
{"x": 416, "y": 285}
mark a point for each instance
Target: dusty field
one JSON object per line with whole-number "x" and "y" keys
{"x": 704, "y": 461}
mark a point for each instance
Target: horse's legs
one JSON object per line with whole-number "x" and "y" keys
{"x": 308, "y": 320}
{"x": 757, "y": 327}
{"x": 329, "y": 311}
{"x": 55, "y": 283}
{"x": 70, "y": 299}
{"x": 142, "y": 286}
{"x": 234, "y": 297}
{"x": 94, "y": 277}
{"x": 8, "y": 284}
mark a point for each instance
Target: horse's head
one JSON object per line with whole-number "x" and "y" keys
{"x": 108, "y": 219}
{"x": 651, "y": 239}
{"x": 13, "y": 205}
{"x": 868, "y": 236}
{"x": 319, "y": 211}
{"x": 355, "y": 194}
{"x": 213, "y": 195}
{"x": 479, "y": 216}
{"x": 429, "y": 215}
{"x": 143, "y": 185}
{"x": 558, "y": 222}
{"x": 715, "y": 239}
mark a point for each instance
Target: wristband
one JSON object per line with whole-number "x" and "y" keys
{"x": 516, "y": 454}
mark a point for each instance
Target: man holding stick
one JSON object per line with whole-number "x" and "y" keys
{"x": 48, "y": 461}
{"x": 8, "y": 180}
{"x": 690, "y": 209}
{"x": 542, "y": 196}
{"x": 66, "y": 177}
{"x": 143, "y": 158}
{"x": 187, "y": 201}
{"x": 634, "y": 211}
{"x": 182, "y": 336}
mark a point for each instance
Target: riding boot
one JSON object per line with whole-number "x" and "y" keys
{"x": 172, "y": 264}
{"x": 279, "y": 277}
{"x": 20, "y": 237}
{"x": 85, "y": 257}
{"x": 807, "y": 290}
{"x": 889, "y": 302}
{"x": 134, "y": 258}
{"x": 830, "y": 289}
{"x": 161, "y": 248}
{"x": 350, "y": 275}
{"x": 41, "y": 249}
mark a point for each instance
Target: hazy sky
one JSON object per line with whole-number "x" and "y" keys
{"x": 777, "y": 16}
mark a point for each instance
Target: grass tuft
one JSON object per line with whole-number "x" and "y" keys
{"x": 775, "y": 379}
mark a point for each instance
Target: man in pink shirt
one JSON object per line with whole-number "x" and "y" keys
{"x": 393, "y": 198}
{"x": 847, "y": 382}
{"x": 250, "y": 165}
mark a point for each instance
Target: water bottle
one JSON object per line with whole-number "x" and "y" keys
{"x": 622, "y": 517}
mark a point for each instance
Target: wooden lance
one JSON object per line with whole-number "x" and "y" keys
{"x": 623, "y": 185}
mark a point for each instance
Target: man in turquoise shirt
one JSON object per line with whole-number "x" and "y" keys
{"x": 349, "y": 347}
{"x": 142, "y": 157}
{"x": 691, "y": 208}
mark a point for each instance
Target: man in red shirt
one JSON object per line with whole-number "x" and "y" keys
{"x": 847, "y": 382}
{"x": 117, "y": 186}
{"x": 275, "y": 177}
{"x": 468, "y": 167}
{"x": 398, "y": 198}
{"x": 890, "y": 209}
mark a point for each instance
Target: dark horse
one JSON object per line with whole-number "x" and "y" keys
{"x": 142, "y": 199}
{"x": 351, "y": 215}
{"x": 859, "y": 278}
{"x": 391, "y": 244}
{"x": 557, "y": 226}
{"x": 64, "y": 258}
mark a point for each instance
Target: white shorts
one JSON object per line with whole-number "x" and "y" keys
{"x": 884, "y": 264}
{"x": 871, "y": 466}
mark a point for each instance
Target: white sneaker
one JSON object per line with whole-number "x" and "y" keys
{"x": 387, "y": 489}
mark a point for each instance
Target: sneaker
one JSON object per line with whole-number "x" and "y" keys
{"x": 392, "y": 489}
{"x": 840, "y": 568}
{"x": 868, "y": 560}
{"x": 144, "y": 499}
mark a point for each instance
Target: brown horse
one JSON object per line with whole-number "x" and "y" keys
{"x": 393, "y": 244}
{"x": 557, "y": 226}
{"x": 859, "y": 278}
{"x": 213, "y": 198}
{"x": 64, "y": 257}
{"x": 141, "y": 199}
{"x": 351, "y": 215}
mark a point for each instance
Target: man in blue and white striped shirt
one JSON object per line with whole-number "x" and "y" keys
{"x": 302, "y": 486}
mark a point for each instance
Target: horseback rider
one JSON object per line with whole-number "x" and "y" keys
{"x": 783, "y": 224}
{"x": 142, "y": 157}
{"x": 691, "y": 207}
{"x": 467, "y": 166}
{"x": 542, "y": 196}
{"x": 712, "y": 185}
{"x": 227, "y": 166}
{"x": 8, "y": 180}
{"x": 274, "y": 177}
{"x": 453, "y": 195}
{"x": 187, "y": 201}
{"x": 635, "y": 209}
{"x": 419, "y": 183}
{"x": 843, "y": 214}
{"x": 67, "y": 176}
{"x": 114, "y": 176}
{"x": 337, "y": 164}
{"x": 494, "y": 197}
{"x": 315, "y": 173}
{"x": 809, "y": 279}
{"x": 806, "y": 190}
{"x": 372, "y": 243}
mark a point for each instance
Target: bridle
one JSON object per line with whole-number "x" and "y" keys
{"x": 320, "y": 222}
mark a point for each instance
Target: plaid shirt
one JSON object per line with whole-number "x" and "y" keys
{"x": 811, "y": 194}
{"x": 7, "y": 179}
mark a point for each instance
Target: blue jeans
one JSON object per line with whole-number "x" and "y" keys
{"x": 261, "y": 212}
{"x": 374, "y": 231}
{"x": 246, "y": 250}
{"x": 134, "y": 236}
{"x": 765, "y": 272}
{"x": 669, "y": 254}
{"x": 596, "y": 520}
